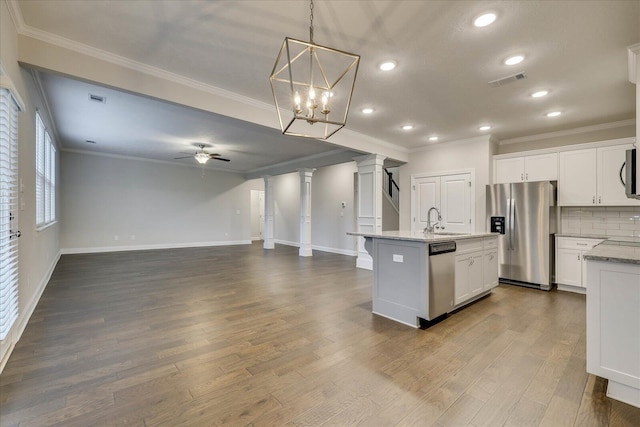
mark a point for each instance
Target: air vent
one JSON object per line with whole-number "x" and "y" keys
{"x": 97, "y": 98}
{"x": 509, "y": 79}
{"x": 88, "y": 141}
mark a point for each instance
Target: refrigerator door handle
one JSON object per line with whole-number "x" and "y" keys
{"x": 512, "y": 223}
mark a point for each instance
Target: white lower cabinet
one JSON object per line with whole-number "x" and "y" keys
{"x": 476, "y": 268}
{"x": 571, "y": 272}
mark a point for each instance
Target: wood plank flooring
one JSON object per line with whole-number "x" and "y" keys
{"x": 242, "y": 336}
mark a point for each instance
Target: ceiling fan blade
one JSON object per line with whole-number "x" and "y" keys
{"x": 189, "y": 154}
{"x": 212, "y": 155}
{"x": 185, "y": 157}
{"x": 220, "y": 158}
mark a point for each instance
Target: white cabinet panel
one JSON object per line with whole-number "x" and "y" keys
{"x": 610, "y": 186}
{"x": 569, "y": 267}
{"x": 577, "y": 178}
{"x": 462, "y": 279}
{"x": 490, "y": 269}
{"x": 542, "y": 167}
{"x": 510, "y": 170}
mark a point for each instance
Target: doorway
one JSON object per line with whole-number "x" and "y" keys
{"x": 257, "y": 215}
{"x": 451, "y": 193}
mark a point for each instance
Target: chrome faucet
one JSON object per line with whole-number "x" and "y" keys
{"x": 429, "y": 228}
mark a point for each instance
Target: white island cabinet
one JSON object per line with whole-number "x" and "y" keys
{"x": 613, "y": 318}
{"x": 402, "y": 288}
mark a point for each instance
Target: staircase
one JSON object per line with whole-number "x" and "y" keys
{"x": 391, "y": 189}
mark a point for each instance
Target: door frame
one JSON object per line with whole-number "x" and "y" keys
{"x": 472, "y": 192}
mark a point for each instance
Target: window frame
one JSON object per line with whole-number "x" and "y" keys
{"x": 45, "y": 176}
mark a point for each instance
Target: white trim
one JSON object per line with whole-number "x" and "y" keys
{"x": 633, "y": 52}
{"x": 91, "y": 250}
{"x": 44, "y": 227}
{"x": 256, "y": 239}
{"x": 287, "y": 243}
{"x": 142, "y": 159}
{"x": 573, "y": 147}
{"x": 6, "y": 83}
{"x": 575, "y": 131}
{"x": 23, "y": 319}
{"x": 297, "y": 161}
{"x": 482, "y": 138}
{"x": 334, "y": 250}
{"x": 365, "y": 264}
{"x": 16, "y": 15}
{"x": 45, "y": 100}
{"x": 574, "y": 289}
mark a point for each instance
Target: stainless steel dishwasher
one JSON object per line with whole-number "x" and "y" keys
{"x": 442, "y": 266}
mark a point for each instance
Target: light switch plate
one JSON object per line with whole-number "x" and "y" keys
{"x": 398, "y": 258}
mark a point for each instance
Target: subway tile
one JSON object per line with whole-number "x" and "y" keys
{"x": 626, "y": 233}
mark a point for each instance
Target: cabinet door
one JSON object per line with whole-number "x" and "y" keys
{"x": 610, "y": 187}
{"x": 577, "y": 178}
{"x": 543, "y": 167}
{"x": 490, "y": 270}
{"x": 476, "y": 276}
{"x": 509, "y": 170}
{"x": 569, "y": 267}
{"x": 462, "y": 278}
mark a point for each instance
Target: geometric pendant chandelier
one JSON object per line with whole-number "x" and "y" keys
{"x": 312, "y": 87}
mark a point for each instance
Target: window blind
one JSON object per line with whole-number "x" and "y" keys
{"x": 8, "y": 212}
{"x": 40, "y": 170}
{"x": 45, "y": 175}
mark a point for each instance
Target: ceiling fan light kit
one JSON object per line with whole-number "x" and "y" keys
{"x": 312, "y": 87}
{"x": 202, "y": 156}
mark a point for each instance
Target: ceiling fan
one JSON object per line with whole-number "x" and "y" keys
{"x": 202, "y": 156}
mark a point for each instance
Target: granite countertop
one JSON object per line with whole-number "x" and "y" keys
{"x": 624, "y": 250}
{"x": 582, "y": 236}
{"x": 419, "y": 236}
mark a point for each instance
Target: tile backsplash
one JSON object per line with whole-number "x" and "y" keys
{"x": 601, "y": 221}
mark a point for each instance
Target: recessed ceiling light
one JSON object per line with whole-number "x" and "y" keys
{"x": 514, "y": 60}
{"x": 387, "y": 65}
{"x": 367, "y": 110}
{"x": 540, "y": 94}
{"x": 553, "y": 114}
{"x": 485, "y": 127}
{"x": 407, "y": 127}
{"x": 433, "y": 138}
{"x": 484, "y": 20}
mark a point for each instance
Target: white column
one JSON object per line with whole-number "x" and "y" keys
{"x": 305, "y": 212}
{"x": 268, "y": 212}
{"x": 369, "y": 202}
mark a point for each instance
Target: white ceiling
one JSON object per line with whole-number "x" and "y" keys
{"x": 574, "y": 49}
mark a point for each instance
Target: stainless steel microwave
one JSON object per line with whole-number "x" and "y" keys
{"x": 630, "y": 184}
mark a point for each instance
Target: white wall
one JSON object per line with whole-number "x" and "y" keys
{"x": 255, "y": 213}
{"x": 149, "y": 204}
{"x": 38, "y": 250}
{"x": 330, "y": 186}
{"x": 286, "y": 202}
{"x": 390, "y": 217}
{"x": 473, "y": 153}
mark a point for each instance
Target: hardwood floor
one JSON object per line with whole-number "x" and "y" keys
{"x": 242, "y": 336}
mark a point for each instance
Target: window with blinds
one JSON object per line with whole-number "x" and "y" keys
{"x": 45, "y": 175}
{"x": 8, "y": 212}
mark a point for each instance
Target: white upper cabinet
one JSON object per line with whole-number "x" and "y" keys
{"x": 611, "y": 172}
{"x": 591, "y": 177}
{"x": 577, "y": 180}
{"x": 541, "y": 167}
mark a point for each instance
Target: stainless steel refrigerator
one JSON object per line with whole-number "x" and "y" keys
{"x": 526, "y": 216}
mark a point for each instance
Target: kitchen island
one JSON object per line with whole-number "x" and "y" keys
{"x": 409, "y": 284}
{"x": 613, "y": 317}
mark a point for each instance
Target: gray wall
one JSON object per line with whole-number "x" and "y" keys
{"x": 150, "y": 204}
{"x": 286, "y": 203}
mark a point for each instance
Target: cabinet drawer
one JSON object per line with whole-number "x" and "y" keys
{"x": 468, "y": 245}
{"x": 490, "y": 242}
{"x": 577, "y": 243}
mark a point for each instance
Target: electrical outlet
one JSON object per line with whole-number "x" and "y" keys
{"x": 398, "y": 258}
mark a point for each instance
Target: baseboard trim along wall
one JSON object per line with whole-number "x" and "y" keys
{"x": 23, "y": 319}
{"x": 318, "y": 248}
{"x": 69, "y": 251}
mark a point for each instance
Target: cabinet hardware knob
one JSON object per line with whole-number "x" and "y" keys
{"x": 600, "y": 199}
{"x": 521, "y": 177}
{"x": 593, "y": 200}
{"x": 526, "y": 176}
{"x": 578, "y": 257}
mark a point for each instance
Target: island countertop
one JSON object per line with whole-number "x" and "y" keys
{"x": 621, "y": 250}
{"x": 419, "y": 236}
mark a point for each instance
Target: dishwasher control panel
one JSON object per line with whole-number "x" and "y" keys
{"x": 441, "y": 248}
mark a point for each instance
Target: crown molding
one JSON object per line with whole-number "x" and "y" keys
{"x": 296, "y": 161}
{"x": 142, "y": 159}
{"x": 16, "y": 15}
{"x": 575, "y": 131}
{"x": 482, "y": 138}
{"x": 56, "y": 40}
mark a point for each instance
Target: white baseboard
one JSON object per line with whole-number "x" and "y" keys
{"x": 569, "y": 288}
{"x": 23, "y": 319}
{"x": 286, "y": 242}
{"x": 334, "y": 250}
{"x": 255, "y": 239}
{"x": 69, "y": 251}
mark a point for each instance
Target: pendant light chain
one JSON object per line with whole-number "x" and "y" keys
{"x": 311, "y": 19}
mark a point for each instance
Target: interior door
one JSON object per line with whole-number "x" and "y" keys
{"x": 426, "y": 193}
{"x": 455, "y": 203}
